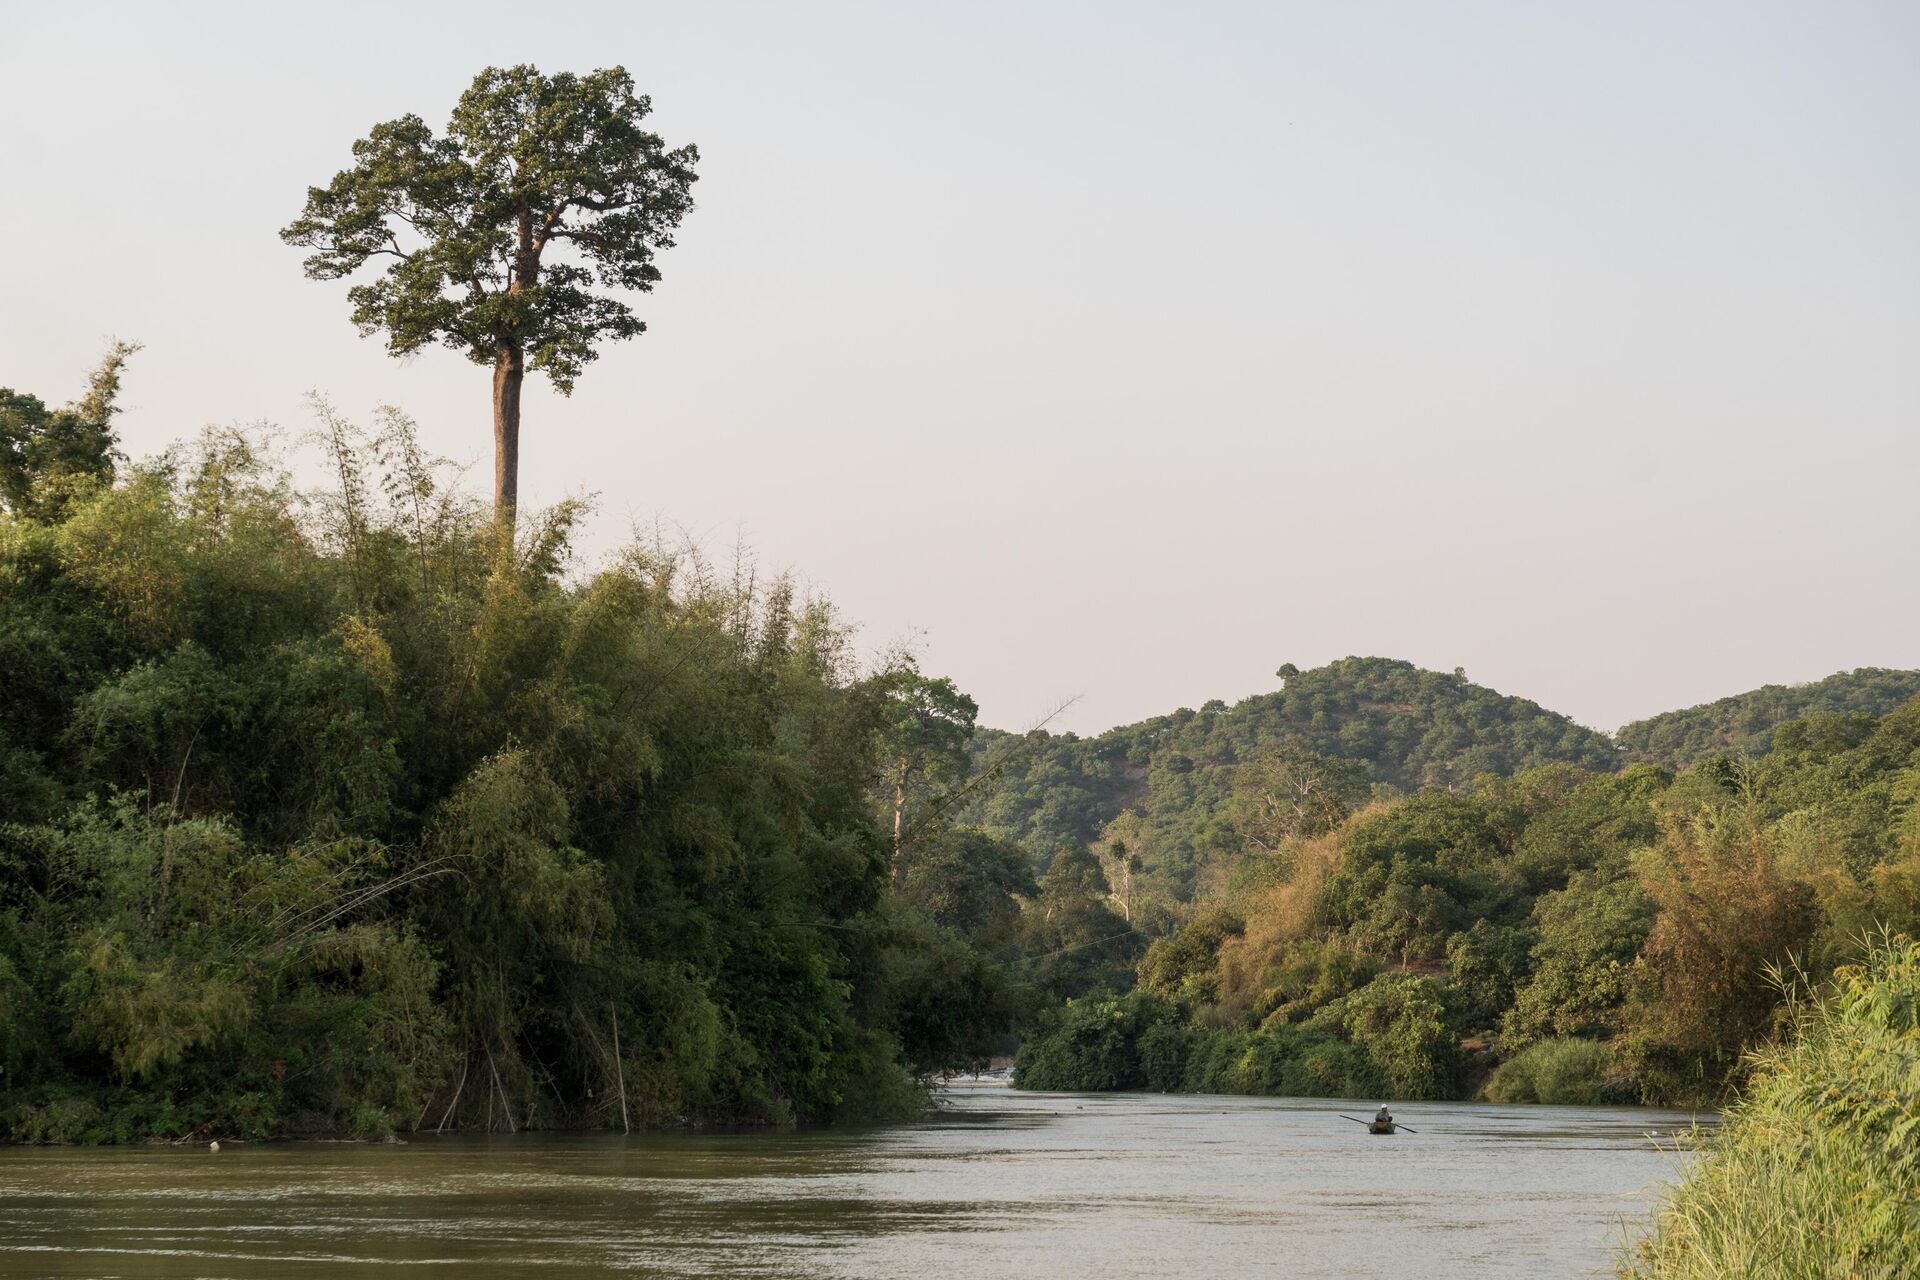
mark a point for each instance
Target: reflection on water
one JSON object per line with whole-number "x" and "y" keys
{"x": 1000, "y": 1184}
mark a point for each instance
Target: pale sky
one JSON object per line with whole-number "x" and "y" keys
{"x": 1116, "y": 350}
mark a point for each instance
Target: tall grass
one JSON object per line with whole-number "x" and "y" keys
{"x": 1817, "y": 1171}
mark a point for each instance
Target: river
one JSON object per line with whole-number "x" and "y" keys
{"x": 998, "y": 1185}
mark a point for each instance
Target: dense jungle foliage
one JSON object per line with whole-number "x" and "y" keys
{"x": 323, "y": 813}
{"x": 318, "y": 814}
{"x": 1744, "y": 723}
{"x": 1403, "y": 727}
{"x": 1560, "y": 935}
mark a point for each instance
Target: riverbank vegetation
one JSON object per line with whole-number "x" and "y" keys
{"x": 321, "y": 812}
{"x": 370, "y": 809}
{"x": 1559, "y": 934}
{"x": 1816, "y": 1171}
{"x": 323, "y": 816}
{"x": 318, "y": 814}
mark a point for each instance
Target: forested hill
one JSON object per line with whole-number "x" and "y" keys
{"x": 1407, "y": 727}
{"x": 1744, "y": 723}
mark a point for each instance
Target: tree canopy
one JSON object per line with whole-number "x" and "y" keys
{"x": 48, "y": 454}
{"x": 314, "y": 818}
{"x": 492, "y": 235}
{"x": 1744, "y": 723}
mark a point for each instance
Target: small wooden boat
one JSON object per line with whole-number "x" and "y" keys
{"x": 1384, "y": 1128}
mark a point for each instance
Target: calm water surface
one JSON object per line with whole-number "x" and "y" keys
{"x": 999, "y": 1184}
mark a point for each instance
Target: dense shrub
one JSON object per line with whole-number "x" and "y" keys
{"x": 1095, "y": 1047}
{"x": 1164, "y": 1050}
{"x": 1140, "y": 1043}
{"x": 1564, "y": 1072}
{"x": 1402, "y": 1024}
{"x": 1291, "y": 1061}
{"x": 330, "y": 814}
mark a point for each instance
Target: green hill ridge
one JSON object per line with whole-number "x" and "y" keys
{"x": 1743, "y": 724}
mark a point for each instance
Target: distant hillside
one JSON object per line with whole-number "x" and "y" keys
{"x": 1408, "y": 727}
{"x": 1744, "y": 723}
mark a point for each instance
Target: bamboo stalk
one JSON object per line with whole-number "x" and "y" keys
{"x": 506, "y": 1108}
{"x": 465, "y": 1062}
{"x": 619, "y": 1070}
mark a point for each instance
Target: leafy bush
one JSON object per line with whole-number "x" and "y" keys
{"x": 1214, "y": 1061}
{"x": 1184, "y": 964}
{"x": 1094, "y": 1048}
{"x": 1291, "y": 1061}
{"x": 1583, "y": 965}
{"x": 1401, "y": 1023}
{"x": 1164, "y": 1049}
{"x": 1563, "y": 1072}
{"x": 65, "y": 1119}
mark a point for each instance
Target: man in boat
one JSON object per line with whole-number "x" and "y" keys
{"x": 1383, "y": 1118}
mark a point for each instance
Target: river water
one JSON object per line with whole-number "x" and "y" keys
{"x": 999, "y": 1184}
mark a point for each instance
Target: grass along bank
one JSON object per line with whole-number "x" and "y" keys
{"x": 1817, "y": 1170}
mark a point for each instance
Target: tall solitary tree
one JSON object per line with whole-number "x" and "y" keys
{"x": 492, "y": 236}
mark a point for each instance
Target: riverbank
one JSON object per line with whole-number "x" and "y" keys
{"x": 1817, "y": 1171}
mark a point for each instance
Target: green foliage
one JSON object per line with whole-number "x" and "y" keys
{"x": 48, "y": 456}
{"x": 1563, "y": 1072}
{"x": 1184, "y": 964}
{"x": 1402, "y": 1024}
{"x": 317, "y": 816}
{"x": 1417, "y": 872}
{"x": 1311, "y": 973}
{"x": 1391, "y": 1034}
{"x": 1359, "y": 719}
{"x": 465, "y": 219}
{"x": 1139, "y": 1042}
{"x": 1284, "y": 1060}
{"x": 1095, "y": 1048}
{"x": 970, "y": 883}
{"x": 951, "y": 1002}
{"x": 1485, "y": 965}
{"x": 1076, "y": 944}
{"x": 1816, "y": 1170}
{"x": 1545, "y": 911}
{"x": 1164, "y": 1048}
{"x": 1745, "y": 723}
{"x": 924, "y": 735}
{"x": 1584, "y": 965}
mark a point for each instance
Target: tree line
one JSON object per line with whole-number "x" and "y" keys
{"x": 1560, "y": 934}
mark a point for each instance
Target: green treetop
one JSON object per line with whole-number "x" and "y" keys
{"x": 927, "y": 726}
{"x": 45, "y": 453}
{"x": 495, "y": 233}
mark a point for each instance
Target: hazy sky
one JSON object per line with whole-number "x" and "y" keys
{"x": 1126, "y": 351}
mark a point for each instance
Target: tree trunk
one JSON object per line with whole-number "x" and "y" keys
{"x": 899, "y": 812}
{"x": 509, "y": 370}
